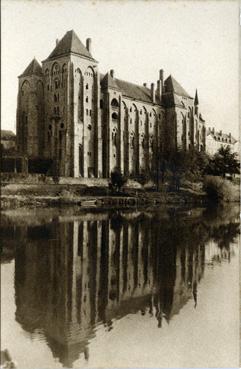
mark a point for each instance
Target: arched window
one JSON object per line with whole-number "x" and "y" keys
{"x": 114, "y": 103}
{"x": 55, "y": 69}
{"x": 56, "y": 83}
{"x": 114, "y": 116}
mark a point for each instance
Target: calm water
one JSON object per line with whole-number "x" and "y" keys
{"x": 120, "y": 289}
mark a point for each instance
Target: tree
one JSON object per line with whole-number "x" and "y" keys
{"x": 224, "y": 162}
{"x": 117, "y": 180}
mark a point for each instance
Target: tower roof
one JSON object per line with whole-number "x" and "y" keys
{"x": 70, "y": 43}
{"x": 34, "y": 68}
{"x": 109, "y": 82}
{"x": 173, "y": 86}
{"x": 196, "y": 102}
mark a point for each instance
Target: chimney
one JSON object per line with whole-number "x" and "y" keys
{"x": 112, "y": 73}
{"x": 229, "y": 135}
{"x": 144, "y": 84}
{"x": 161, "y": 76}
{"x": 221, "y": 132}
{"x": 88, "y": 44}
{"x": 57, "y": 41}
{"x": 159, "y": 88}
{"x": 153, "y": 92}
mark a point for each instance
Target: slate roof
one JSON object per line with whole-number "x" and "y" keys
{"x": 128, "y": 89}
{"x": 34, "y": 68}
{"x": 171, "y": 85}
{"x": 7, "y": 135}
{"x": 70, "y": 43}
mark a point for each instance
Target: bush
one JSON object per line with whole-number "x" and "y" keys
{"x": 117, "y": 180}
{"x": 220, "y": 189}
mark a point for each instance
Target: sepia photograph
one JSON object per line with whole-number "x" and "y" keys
{"x": 120, "y": 184}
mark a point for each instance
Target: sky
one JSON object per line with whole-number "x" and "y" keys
{"x": 194, "y": 41}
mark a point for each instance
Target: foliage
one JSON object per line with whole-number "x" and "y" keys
{"x": 223, "y": 162}
{"x": 220, "y": 189}
{"x": 117, "y": 180}
{"x": 183, "y": 165}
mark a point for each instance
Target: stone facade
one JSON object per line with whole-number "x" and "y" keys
{"x": 89, "y": 123}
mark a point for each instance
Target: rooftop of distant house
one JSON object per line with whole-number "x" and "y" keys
{"x": 220, "y": 136}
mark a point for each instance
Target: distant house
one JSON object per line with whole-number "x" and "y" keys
{"x": 8, "y": 141}
{"x": 216, "y": 139}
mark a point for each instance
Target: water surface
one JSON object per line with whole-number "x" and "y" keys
{"x": 120, "y": 289}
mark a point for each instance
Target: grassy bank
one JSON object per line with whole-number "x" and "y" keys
{"x": 37, "y": 191}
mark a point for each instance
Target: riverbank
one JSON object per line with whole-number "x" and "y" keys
{"x": 39, "y": 191}
{"x": 19, "y": 195}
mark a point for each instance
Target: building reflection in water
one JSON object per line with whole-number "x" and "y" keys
{"x": 74, "y": 273}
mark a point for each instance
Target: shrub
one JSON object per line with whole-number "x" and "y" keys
{"x": 117, "y": 180}
{"x": 220, "y": 189}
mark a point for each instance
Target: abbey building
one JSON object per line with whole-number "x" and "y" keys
{"x": 89, "y": 123}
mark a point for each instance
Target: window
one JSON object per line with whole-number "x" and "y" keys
{"x": 48, "y": 87}
{"x": 150, "y": 125}
{"x": 114, "y": 103}
{"x": 90, "y": 112}
{"x": 62, "y": 125}
{"x": 101, "y": 104}
{"x": 140, "y": 112}
{"x": 56, "y": 84}
{"x": 55, "y": 98}
{"x": 89, "y": 127}
{"x": 150, "y": 114}
{"x": 87, "y": 112}
{"x": 87, "y": 86}
{"x": 114, "y": 116}
{"x": 87, "y": 99}
{"x": 130, "y": 109}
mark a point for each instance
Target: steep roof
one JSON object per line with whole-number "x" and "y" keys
{"x": 70, "y": 43}
{"x": 108, "y": 82}
{"x": 128, "y": 89}
{"x": 171, "y": 85}
{"x": 34, "y": 68}
{"x": 196, "y": 101}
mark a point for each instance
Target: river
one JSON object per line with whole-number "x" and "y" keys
{"x": 139, "y": 288}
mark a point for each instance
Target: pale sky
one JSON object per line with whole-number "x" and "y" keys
{"x": 195, "y": 41}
